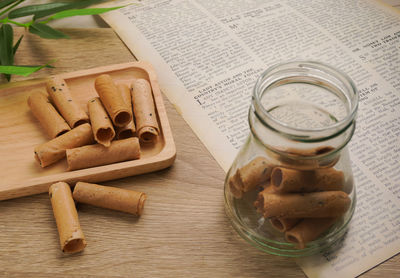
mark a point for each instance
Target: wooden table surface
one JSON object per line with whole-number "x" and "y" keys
{"x": 183, "y": 231}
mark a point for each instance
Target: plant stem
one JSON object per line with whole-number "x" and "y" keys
{"x": 6, "y": 20}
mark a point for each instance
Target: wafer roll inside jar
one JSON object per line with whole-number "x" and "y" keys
{"x": 293, "y": 171}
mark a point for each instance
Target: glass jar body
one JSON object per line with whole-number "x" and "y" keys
{"x": 290, "y": 190}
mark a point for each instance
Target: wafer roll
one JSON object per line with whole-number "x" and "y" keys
{"x": 96, "y": 155}
{"x": 305, "y": 159}
{"x": 143, "y": 107}
{"x": 110, "y": 197}
{"x": 283, "y": 224}
{"x": 102, "y": 127}
{"x": 305, "y": 205}
{"x": 53, "y": 124}
{"x": 62, "y": 99}
{"x": 112, "y": 100}
{"x": 310, "y": 152}
{"x": 71, "y": 236}
{"x": 249, "y": 176}
{"x": 307, "y": 230}
{"x": 259, "y": 202}
{"x": 235, "y": 186}
{"x": 54, "y": 150}
{"x": 285, "y": 180}
{"x": 129, "y": 130}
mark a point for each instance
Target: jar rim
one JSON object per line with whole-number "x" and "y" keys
{"x": 305, "y": 67}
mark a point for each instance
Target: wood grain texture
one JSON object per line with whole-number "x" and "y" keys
{"x": 183, "y": 231}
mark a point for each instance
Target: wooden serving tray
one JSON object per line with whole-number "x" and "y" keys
{"x": 20, "y": 132}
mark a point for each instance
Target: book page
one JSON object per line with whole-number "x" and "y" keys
{"x": 208, "y": 55}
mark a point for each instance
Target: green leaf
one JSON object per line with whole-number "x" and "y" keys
{"x": 5, "y": 3}
{"x": 76, "y": 12}
{"x": 45, "y": 31}
{"x": 21, "y": 70}
{"x": 6, "y": 45}
{"x": 68, "y": 6}
{"x": 14, "y": 4}
{"x": 34, "y": 9}
{"x": 15, "y": 48}
{"x": 43, "y": 10}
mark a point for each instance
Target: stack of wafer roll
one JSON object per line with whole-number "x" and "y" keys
{"x": 112, "y": 137}
{"x": 63, "y": 201}
{"x": 301, "y": 203}
{"x": 109, "y": 112}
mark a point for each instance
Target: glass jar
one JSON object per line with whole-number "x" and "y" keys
{"x": 290, "y": 190}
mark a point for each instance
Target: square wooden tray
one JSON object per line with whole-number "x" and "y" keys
{"x": 20, "y": 132}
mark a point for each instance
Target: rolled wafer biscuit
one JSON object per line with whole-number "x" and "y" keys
{"x": 259, "y": 202}
{"x": 308, "y": 229}
{"x": 53, "y": 124}
{"x": 303, "y": 205}
{"x": 283, "y": 224}
{"x": 102, "y": 127}
{"x": 112, "y": 100}
{"x": 110, "y": 197}
{"x": 310, "y": 152}
{"x": 128, "y": 130}
{"x": 62, "y": 99}
{"x": 250, "y": 175}
{"x": 308, "y": 159}
{"x": 235, "y": 186}
{"x": 54, "y": 150}
{"x": 143, "y": 107}
{"x": 96, "y": 155}
{"x": 71, "y": 236}
{"x": 285, "y": 180}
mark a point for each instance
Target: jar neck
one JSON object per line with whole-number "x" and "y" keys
{"x": 270, "y": 109}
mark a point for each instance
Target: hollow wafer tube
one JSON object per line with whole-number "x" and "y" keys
{"x": 235, "y": 186}
{"x": 280, "y": 224}
{"x": 128, "y": 130}
{"x": 250, "y": 175}
{"x": 285, "y": 180}
{"x": 143, "y": 107}
{"x": 102, "y": 127}
{"x": 259, "y": 202}
{"x": 112, "y": 100}
{"x": 52, "y": 122}
{"x": 307, "y": 230}
{"x": 54, "y": 150}
{"x": 284, "y": 224}
{"x": 303, "y": 205}
{"x": 62, "y": 99}
{"x": 310, "y": 152}
{"x": 110, "y": 197}
{"x": 96, "y": 155}
{"x": 71, "y": 236}
{"x": 308, "y": 159}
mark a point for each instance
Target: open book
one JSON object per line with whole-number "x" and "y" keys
{"x": 208, "y": 54}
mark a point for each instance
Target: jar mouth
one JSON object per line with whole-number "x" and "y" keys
{"x": 304, "y": 73}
